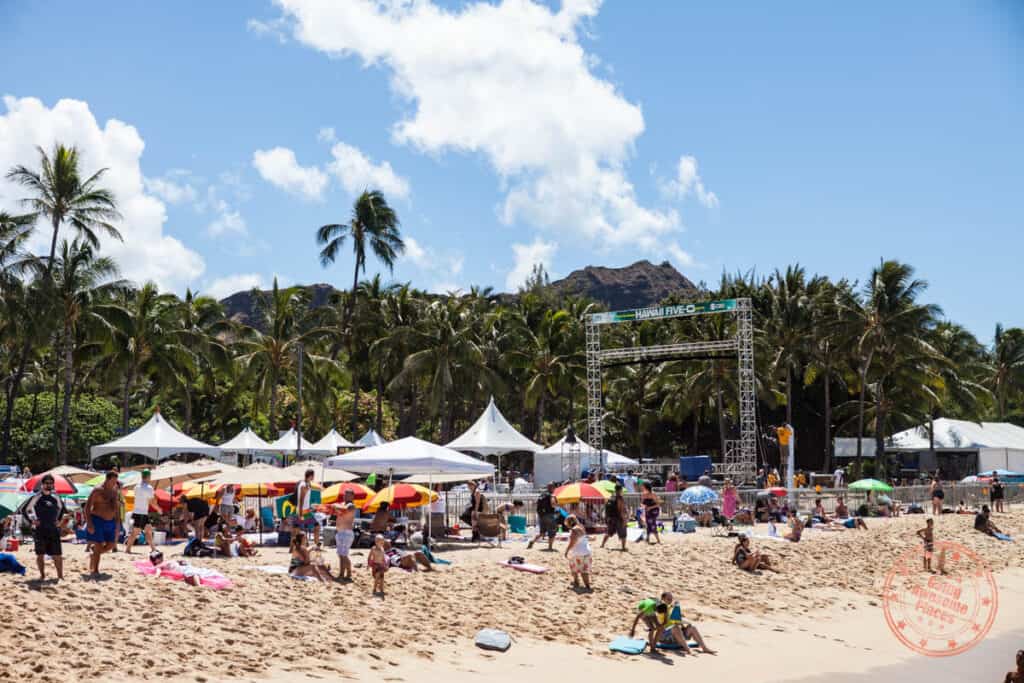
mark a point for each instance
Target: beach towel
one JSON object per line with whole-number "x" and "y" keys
{"x": 207, "y": 577}
{"x": 9, "y": 564}
{"x": 524, "y": 567}
{"x": 517, "y": 524}
{"x": 628, "y": 646}
{"x": 1002, "y": 537}
{"x": 267, "y": 568}
{"x": 634, "y": 534}
{"x": 493, "y": 639}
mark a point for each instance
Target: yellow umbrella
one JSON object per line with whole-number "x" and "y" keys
{"x": 581, "y": 490}
{"x": 335, "y": 492}
{"x": 401, "y": 495}
{"x": 207, "y": 490}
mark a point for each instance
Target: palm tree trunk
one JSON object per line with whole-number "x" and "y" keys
{"x": 12, "y": 396}
{"x": 860, "y": 408}
{"x": 273, "y": 404}
{"x": 355, "y": 403}
{"x": 828, "y": 421}
{"x": 129, "y": 383}
{"x": 380, "y": 399}
{"x": 879, "y": 428}
{"x": 58, "y": 344}
{"x": 696, "y": 431}
{"x": 53, "y": 248}
{"x": 69, "y": 375}
{"x": 540, "y": 416}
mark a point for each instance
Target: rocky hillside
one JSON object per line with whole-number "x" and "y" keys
{"x": 634, "y": 286}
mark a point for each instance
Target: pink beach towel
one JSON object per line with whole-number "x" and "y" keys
{"x": 217, "y": 581}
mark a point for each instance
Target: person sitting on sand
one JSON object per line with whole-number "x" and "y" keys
{"x": 1018, "y": 675}
{"x": 302, "y": 565}
{"x": 410, "y": 561}
{"x": 378, "y": 564}
{"x": 645, "y": 610}
{"x": 796, "y": 531}
{"x": 749, "y": 560}
{"x": 819, "y": 512}
{"x": 848, "y": 523}
{"x": 578, "y": 552}
{"x": 674, "y": 625}
{"x": 842, "y": 512}
{"x": 249, "y": 521}
{"x": 983, "y": 524}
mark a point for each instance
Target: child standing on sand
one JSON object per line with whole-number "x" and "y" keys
{"x": 378, "y": 564}
{"x": 578, "y": 552}
{"x": 927, "y": 535}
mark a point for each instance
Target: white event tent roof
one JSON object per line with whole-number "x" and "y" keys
{"x": 582, "y": 447}
{"x": 332, "y": 441}
{"x": 411, "y": 456}
{"x": 370, "y": 438}
{"x": 961, "y": 435}
{"x": 288, "y": 442}
{"x": 245, "y": 441}
{"x": 157, "y": 440}
{"x": 491, "y": 434}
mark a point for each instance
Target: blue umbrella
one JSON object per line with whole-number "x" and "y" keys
{"x": 698, "y": 495}
{"x": 998, "y": 473}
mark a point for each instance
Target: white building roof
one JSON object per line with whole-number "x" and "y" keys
{"x": 491, "y": 434}
{"x": 961, "y": 434}
{"x": 157, "y": 440}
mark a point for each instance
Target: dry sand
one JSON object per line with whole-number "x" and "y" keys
{"x": 820, "y": 617}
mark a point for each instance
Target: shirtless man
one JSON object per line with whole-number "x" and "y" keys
{"x": 102, "y": 524}
{"x": 345, "y": 535}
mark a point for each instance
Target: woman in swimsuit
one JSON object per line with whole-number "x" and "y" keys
{"x": 794, "y": 533}
{"x": 301, "y": 565}
{"x": 749, "y": 560}
{"x": 937, "y": 496}
{"x": 652, "y": 508}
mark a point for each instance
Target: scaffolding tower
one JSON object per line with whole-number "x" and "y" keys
{"x": 740, "y": 456}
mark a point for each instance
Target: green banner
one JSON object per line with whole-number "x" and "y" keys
{"x": 659, "y": 312}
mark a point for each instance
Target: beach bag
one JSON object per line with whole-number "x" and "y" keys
{"x": 195, "y": 548}
{"x": 493, "y": 639}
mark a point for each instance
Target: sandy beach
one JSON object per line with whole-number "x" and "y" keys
{"x": 820, "y": 618}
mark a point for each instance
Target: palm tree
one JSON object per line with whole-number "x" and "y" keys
{"x": 1007, "y": 374}
{"x": 826, "y": 344}
{"x": 538, "y": 352}
{"x": 83, "y": 288}
{"x": 788, "y": 325}
{"x": 373, "y": 224}
{"x": 205, "y": 331}
{"x": 148, "y": 344}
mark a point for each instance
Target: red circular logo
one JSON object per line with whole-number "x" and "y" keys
{"x": 940, "y": 615}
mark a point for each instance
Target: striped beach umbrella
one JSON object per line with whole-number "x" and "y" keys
{"x": 336, "y": 492}
{"x": 577, "y": 491}
{"x": 401, "y": 496}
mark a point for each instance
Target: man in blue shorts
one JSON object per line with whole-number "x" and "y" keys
{"x": 101, "y": 520}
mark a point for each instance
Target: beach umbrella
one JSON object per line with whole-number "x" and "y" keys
{"x": 75, "y": 475}
{"x": 129, "y": 478}
{"x": 777, "y": 491}
{"x": 82, "y": 493}
{"x": 999, "y": 473}
{"x": 698, "y": 495}
{"x": 336, "y": 492}
{"x": 321, "y": 472}
{"x": 580, "y": 490}
{"x": 869, "y": 485}
{"x": 170, "y": 473}
{"x": 401, "y": 495}
{"x": 606, "y": 486}
{"x": 12, "y": 485}
{"x": 974, "y": 479}
{"x": 163, "y": 498}
{"x": 9, "y": 502}
{"x": 61, "y": 486}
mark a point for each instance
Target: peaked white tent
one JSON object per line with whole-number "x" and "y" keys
{"x": 288, "y": 442}
{"x": 332, "y": 441}
{"x": 157, "y": 440}
{"x": 491, "y": 434}
{"x": 411, "y": 456}
{"x": 562, "y": 461}
{"x": 245, "y": 441}
{"x": 321, "y": 472}
{"x": 370, "y": 438}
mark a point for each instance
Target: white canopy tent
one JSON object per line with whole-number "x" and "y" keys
{"x": 321, "y": 472}
{"x": 332, "y": 441}
{"x": 369, "y": 439}
{"x": 491, "y": 434}
{"x": 563, "y": 461}
{"x": 422, "y": 460}
{"x": 245, "y": 442}
{"x": 157, "y": 440}
{"x": 289, "y": 441}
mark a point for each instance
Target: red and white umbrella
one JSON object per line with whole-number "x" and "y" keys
{"x": 61, "y": 486}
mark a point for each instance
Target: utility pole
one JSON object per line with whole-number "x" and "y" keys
{"x": 298, "y": 424}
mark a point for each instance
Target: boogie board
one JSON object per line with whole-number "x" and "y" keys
{"x": 525, "y": 567}
{"x": 493, "y": 639}
{"x": 672, "y": 645}
{"x": 629, "y": 646}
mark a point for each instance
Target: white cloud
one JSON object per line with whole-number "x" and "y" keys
{"x": 226, "y": 286}
{"x": 415, "y": 252}
{"x": 327, "y": 135}
{"x": 688, "y": 180}
{"x": 228, "y": 221}
{"x": 509, "y": 81}
{"x": 279, "y": 167}
{"x": 147, "y": 253}
{"x": 274, "y": 28}
{"x": 357, "y": 173}
{"x": 526, "y": 256}
{"x": 441, "y": 267}
{"x": 169, "y": 189}
{"x": 680, "y": 258}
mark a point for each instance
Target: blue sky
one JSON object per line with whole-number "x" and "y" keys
{"x": 719, "y": 136}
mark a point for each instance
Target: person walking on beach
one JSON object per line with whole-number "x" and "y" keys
{"x": 996, "y": 493}
{"x": 578, "y": 553}
{"x": 547, "y": 517}
{"x": 303, "y": 496}
{"x": 145, "y": 498}
{"x": 46, "y": 511}
{"x": 345, "y": 535}
{"x": 837, "y": 478}
{"x": 102, "y": 523}
{"x": 615, "y": 518}
{"x": 927, "y": 535}
{"x": 652, "y": 507}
